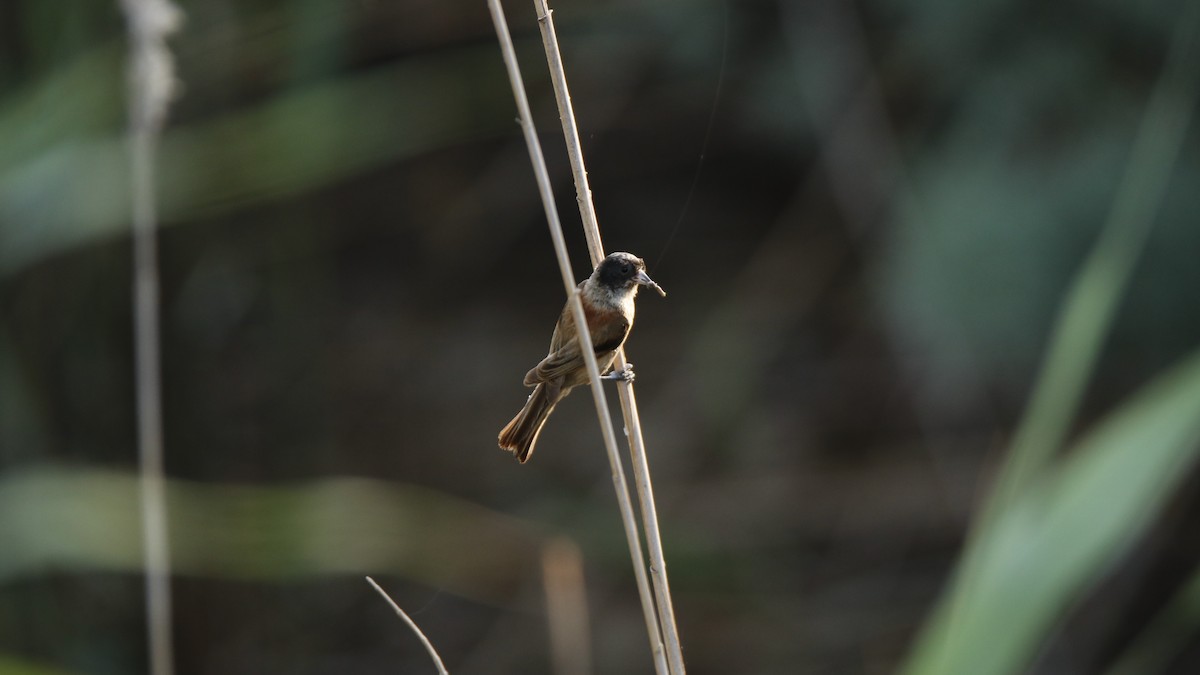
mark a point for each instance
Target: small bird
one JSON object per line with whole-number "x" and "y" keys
{"x": 607, "y": 299}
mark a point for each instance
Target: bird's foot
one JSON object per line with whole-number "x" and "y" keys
{"x": 623, "y": 375}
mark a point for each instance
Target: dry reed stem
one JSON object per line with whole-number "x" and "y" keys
{"x": 566, "y": 607}
{"x": 620, "y": 485}
{"x": 437, "y": 660}
{"x": 629, "y": 410}
{"x": 151, "y": 81}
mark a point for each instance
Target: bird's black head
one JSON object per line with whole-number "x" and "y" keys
{"x": 622, "y": 271}
{"x": 619, "y": 270}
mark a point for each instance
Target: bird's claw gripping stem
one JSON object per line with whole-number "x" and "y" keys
{"x": 623, "y": 375}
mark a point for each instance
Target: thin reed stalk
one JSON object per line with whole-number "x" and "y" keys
{"x": 629, "y": 410}
{"x": 620, "y": 484}
{"x": 151, "y": 81}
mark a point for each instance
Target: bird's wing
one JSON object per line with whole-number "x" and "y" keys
{"x": 608, "y": 333}
{"x": 564, "y": 348}
{"x": 564, "y": 331}
{"x": 555, "y": 365}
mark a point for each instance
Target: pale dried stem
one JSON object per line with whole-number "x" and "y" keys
{"x": 151, "y": 80}
{"x": 566, "y": 607}
{"x": 633, "y": 426}
{"x": 620, "y": 485}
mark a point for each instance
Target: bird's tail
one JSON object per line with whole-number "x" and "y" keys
{"x": 520, "y": 435}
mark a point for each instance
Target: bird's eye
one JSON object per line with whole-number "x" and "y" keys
{"x": 625, "y": 269}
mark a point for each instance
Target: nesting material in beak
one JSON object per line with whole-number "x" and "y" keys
{"x": 645, "y": 280}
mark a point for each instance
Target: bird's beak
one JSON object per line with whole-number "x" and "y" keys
{"x": 645, "y": 280}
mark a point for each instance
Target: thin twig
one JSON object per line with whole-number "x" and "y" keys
{"x": 633, "y": 426}
{"x": 437, "y": 660}
{"x": 620, "y": 484}
{"x": 151, "y": 81}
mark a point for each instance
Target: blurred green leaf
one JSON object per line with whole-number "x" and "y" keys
{"x": 1050, "y": 530}
{"x": 11, "y": 665}
{"x": 1093, "y": 298}
{"x": 1060, "y": 535}
{"x": 77, "y": 101}
{"x": 88, "y": 519}
{"x": 72, "y": 187}
{"x": 1007, "y": 198}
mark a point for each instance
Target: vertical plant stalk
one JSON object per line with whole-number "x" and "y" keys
{"x": 437, "y": 660}
{"x": 633, "y": 425}
{"x": 566, "y": 607}
{"x": 151, "y": 82}
{"x": 620, "y": 484}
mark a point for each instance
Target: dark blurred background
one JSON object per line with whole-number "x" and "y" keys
{"x": 865, "y": 214}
